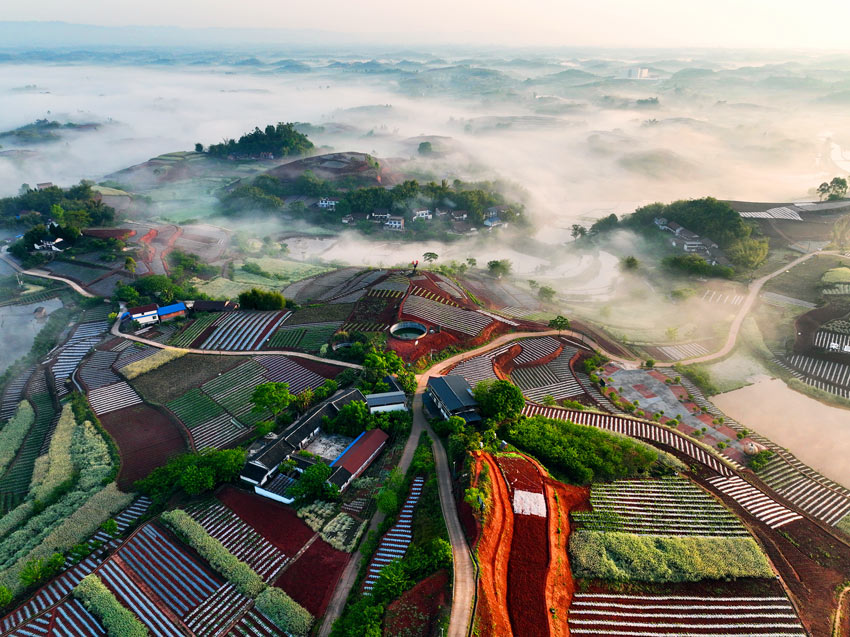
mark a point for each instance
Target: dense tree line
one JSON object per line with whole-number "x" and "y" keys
{"x": 79, "y": 201}
{"x": 155, "y": 288}
{"x": 257, "y": 299}
{"x": 281, "y": 141}
{"x": 578, "y": 453}
{"x": 695, "y": 264}
{"x": 267, "y": 193}
{"x": 193, "y": 473}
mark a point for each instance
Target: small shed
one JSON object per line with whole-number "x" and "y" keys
{"x": 386, "y": 401}
{"x": 171, "y": 311}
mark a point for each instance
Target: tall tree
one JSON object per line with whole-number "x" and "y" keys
{"x": 560, "y": 323}
{"x": 274, "y": 397}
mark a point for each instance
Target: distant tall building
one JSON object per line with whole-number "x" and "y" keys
{"x": 637, "y": 73}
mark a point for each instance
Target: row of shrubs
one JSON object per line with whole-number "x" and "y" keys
{"x": 99, "y": 600}
{"x": 277, "y": 605}
{"x": 55, "y": 467}
{"x": 13, "y": 433}
{"x": 155, "y": 361}
{"x": 237, "y": 572}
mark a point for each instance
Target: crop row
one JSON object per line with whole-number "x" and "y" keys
{"x": 193, "y": 330}
{"x": 672, "y": 506}
{"x": 242, "y": 331}
{"x": 450, "y": 317}
{"x": 239, "y": 538}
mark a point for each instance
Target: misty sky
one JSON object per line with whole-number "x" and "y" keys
{"x": 652, "y": 23}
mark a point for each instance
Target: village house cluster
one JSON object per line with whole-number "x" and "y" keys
{"x": 692, "y": 242}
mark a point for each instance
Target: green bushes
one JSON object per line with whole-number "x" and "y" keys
{"x": 625, "y": 556}
{"x": 219, "y": 466}
{"x": 13, "y": 433}
{"x": 238, "y": 573}
{"x": 758, "y": 461}
{"x": 579, "y": 454}
{"x": 60, "y": 468}
{"x": 116, "y": 619}
{"x": 284, "y": 611}
{"x": 72, "y": 530}
{"x": 699, "y": 376}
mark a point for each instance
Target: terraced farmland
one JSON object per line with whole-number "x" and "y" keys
{"x": 13, "y": 392}
{"x": 242, "y": 330}
{"x": 633, "y": 429}
{"x": 603, "y": 614}
{"x": 827, "y": 375}
{"x": 97, "y": 372}
{"x": 450, "y": 317}
{"x": 818, "y": 496}
{"x": 113, "y": 397}
{"x": 394, "y": 544}
{"x": 554, "y": 379}
{"x": 166, "y": 569}
{"x": 15, "y": 483}
{"x": 669, "y": 506}
{"x": 187, "y": 336}
{"x": 68, "y": 619}
{"x": 755, "y": 502}
{"x": 82, "y": 339}
{"x": 63, "y": 584}
{"x": 239, "y": 538}
{"x": 195, "y": 408}
{"x": 309, "y": 337}
{"x": 281, "y": 369}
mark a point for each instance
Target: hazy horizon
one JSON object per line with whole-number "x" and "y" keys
{"x": 650, "y": 24}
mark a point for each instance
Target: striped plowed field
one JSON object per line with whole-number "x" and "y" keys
{"x": 67, "y": 619}
{"x": 240, "y": 330}
{"x": 755, "y": 502}
{"x": 255, "y": 624}
{"x": 394, "y": 543}
{"x": 604, "y": 614}
{"x": 665, "y": 506}
{"x": 146, "y": 439}
{"x": 158, "y": 580}
{"x": 239, "y": 538}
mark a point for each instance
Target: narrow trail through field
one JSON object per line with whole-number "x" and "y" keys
{"x": 45, "y": 275}
{"x": 139, "y": 339}
{"x": 745, "y": 307}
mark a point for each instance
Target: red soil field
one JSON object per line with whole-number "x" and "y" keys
{"x": 416, "y": 612}
{"x": 527, "y": 571}
{"x": 274, "y": 521}
{"x": 492, "y": 616}
{"x": 312, "y": 578}
{"x": 146, "y": 439}
{"x": 521, "y": 474}
{"x": 322, "y": 369}
{"x": 559, "y": 578}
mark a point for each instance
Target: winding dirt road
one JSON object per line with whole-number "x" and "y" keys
{"x": 45, "y": 275}
{"x": 754, "y": 289}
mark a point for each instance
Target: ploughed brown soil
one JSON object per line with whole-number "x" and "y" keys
{"x": 561, "y": 499}
{"x": 493, "y": 554}
{"x": 146, "y": 439}
{"x": 180, "y": 375}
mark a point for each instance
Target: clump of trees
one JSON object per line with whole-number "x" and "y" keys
{"x": 79, "y": 205}
{"x": 579, "y": 454}
{"x": 281, "y": 141}
{"x": 833, "y": 189}
{"x": 499, "y": 267}
{"x": 193, "y": 473}
{"x": 696, "y": 265}
{"x": 499, "y": 400}
{"x": 257, "y": 299}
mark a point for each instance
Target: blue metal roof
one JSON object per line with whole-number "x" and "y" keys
{"x": 171, "y": 309}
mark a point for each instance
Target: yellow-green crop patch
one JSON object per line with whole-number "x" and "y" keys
{"x": 836, "y": 275}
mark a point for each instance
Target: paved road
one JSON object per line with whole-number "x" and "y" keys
{"x": 46, "y": 275}
{"x": 139, "y": 339}
{"x": 746, "y": 306}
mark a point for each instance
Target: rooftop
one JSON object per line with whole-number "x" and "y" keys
{"x": 385, "y": 398}
{"x": 453, "y": 391}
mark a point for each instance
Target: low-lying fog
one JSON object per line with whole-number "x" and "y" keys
{"x": 572, "y": 131}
